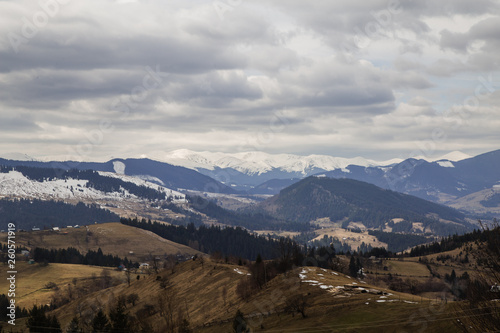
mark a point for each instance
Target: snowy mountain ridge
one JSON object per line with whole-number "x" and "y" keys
{"x": 15, "y": 184}
{"x": 257, "y": 163}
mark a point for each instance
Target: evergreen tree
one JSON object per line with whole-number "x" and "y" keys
{"x": 100, "y": 324}
{"x": 40, "y": 323}
{"x": 239, "y": 323}
{"x": 119, "y": 320}
{"x": 74, "y": 326}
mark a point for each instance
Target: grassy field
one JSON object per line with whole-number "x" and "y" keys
{"x": 354, "y": 239}
{"x": 32, "y": 279}
{"x": 114, "y": 238}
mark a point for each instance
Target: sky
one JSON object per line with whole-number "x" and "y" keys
{"x": 99, "y": 79}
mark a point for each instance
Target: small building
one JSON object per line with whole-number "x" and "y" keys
{"x": 495, "y": 288}
{"x": 35, "y": 229}
{"x": 56, "y": 229}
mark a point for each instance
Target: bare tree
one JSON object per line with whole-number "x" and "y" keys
{"x": 296, "y": 304}
{"x": 167, "y": 304}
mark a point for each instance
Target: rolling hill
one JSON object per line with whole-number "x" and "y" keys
{"x": 347, "y": 200}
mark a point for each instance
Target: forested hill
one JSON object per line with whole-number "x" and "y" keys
{"x": 27, "y": 214}
{"x": 228, "y": 241}
{"x": 350, "y": 200}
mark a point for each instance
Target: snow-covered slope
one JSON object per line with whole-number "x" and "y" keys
{"x": 257, "y": 163}
{"x": 14, "y": 183}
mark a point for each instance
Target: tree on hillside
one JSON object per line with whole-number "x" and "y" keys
{"x": 132, "y": 298}
{"x": 40, "y": 323}
{"x": 100, "y": 323}
{"x": 74, "y": 326}
{"x": 239, "y": 323}
{"x": 119, "y": 319}
{"x": 296, "y": 304}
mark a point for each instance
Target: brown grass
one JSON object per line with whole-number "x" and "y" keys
{"x": 114, "y": 238}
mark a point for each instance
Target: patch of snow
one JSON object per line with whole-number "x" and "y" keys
{"x": 240, "y": 272}
{"x": 310, "y": 281}
{"x": 302, "y": 276}
{"x": 381, "y": 300}
{"x": 446, "y": 164}
{"x": 325, "y": 287}
{"x": 119, "y": 167}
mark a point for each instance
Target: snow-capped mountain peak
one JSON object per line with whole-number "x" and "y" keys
{"x": 256, "y": 163}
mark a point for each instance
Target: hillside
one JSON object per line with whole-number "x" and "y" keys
{"x": 113, "y": 238}
{"x": 348, "y": 200}
{"x": 205, "y": 295}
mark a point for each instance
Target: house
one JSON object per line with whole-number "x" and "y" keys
{"x": 495, "y": 288}
{"x": 56, "y": 229}
{"x": 35, "y": 229}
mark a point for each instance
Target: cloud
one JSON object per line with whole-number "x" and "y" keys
{"x": 354, "y": 77}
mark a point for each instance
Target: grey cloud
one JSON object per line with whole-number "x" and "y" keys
{"x": 17, "y": 124}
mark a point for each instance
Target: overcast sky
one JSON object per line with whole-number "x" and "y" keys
{"x": 96, "y": 79}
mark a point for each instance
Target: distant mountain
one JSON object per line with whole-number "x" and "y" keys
{"x": 439, "y": 181}
{"x": 250, "y": 171}
{"x": 349, "y": 200}
{"x": 164, "y": 174}
{"x": 246, "y": 170}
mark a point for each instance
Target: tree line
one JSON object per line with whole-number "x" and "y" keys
{"x": 73, "y": 256}
{"x": 453, "y": 242}
{"x": 228, "y": 241}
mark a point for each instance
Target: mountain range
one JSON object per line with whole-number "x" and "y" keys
{"x": 455, "y": 179}
{"x": 446, "y": 179}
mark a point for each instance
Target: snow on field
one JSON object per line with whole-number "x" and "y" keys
{"x": 15, "y": 183}
{"x": 240, "y": 272}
